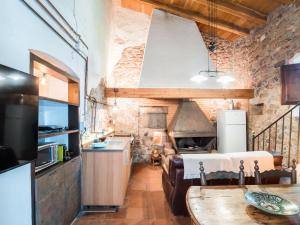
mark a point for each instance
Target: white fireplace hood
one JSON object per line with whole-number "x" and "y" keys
{"x": 175, "y": 52}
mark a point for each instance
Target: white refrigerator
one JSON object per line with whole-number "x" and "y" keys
{"x": 231, "y": 131}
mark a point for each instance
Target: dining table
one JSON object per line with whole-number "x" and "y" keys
{"x": 226, "y": 205}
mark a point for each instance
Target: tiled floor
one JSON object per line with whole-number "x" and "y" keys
{"x": 145, "y": 203}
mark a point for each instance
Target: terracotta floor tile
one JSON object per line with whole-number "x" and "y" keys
{"x": 154, "y": 186}
{"x": 135, "y": 201}
{"x": 136, "y": 213}
{"x": 121, "y": 214}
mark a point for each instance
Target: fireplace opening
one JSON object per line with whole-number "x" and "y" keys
{"x": 195, "y": 144}
{"x": 190, "y": 130}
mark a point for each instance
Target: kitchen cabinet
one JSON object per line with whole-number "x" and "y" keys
{"x": 57, "y": 195}
{"x": 290, "y": 81}
{"x": 72, "y": 190}
{"x": 106, "y": 173}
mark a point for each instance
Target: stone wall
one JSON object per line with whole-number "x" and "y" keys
{"x": 264, "y": 51}
{"x": 266, "y": 48}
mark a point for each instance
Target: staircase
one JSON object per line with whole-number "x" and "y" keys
{"x": 281, "y": 136}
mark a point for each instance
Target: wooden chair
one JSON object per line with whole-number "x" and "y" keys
{"x": 222, "y": 175}
{"x": 271, "y": 174}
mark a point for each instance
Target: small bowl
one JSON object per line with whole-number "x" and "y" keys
{"x": 99, "y": 145}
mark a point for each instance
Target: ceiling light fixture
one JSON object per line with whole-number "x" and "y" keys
{"x": 43, "y": 79}
{"x": 225, "y": 79}
{"x": 115, "y": 106}
{"x": 199, "y": 78}
{"x": 203, "y": 75}
{"x": 16, "y": 77}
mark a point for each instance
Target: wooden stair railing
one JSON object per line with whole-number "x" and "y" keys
{"x": 277, "y": 137}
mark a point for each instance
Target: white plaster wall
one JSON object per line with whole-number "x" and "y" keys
{"x": 175, "y": 52}
{"x": 22, "y": 30}
{"x": 94, "y": 18}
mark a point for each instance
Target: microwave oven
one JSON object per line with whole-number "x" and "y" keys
{"x": 47, "y": 155}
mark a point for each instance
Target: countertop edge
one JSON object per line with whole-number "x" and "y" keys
{"x": 107, "y": 149}
{"x": 22, "y": 163}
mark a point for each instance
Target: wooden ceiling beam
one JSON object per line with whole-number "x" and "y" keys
{"x": 238, "y": 10}
{"x": 195, "y": 16}
{"x": 179, "y": 93}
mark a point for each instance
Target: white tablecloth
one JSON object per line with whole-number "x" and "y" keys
{"x": 226, "y": 162}
{"x": 265, "y": 161}
{"x": 212, "y": 162}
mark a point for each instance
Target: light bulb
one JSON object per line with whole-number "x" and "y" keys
{"x": 16, "y": 77}
{"x": 225, "y": 79}
{"x": 115, "y": 108}
{"x": 199, "y": 78}
{"x": 43, "y": 79}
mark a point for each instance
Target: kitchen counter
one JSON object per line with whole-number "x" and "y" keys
{"x": 106, "y": 172}
{"x": 113, "y": 144}
{"x": 89, "y": 138}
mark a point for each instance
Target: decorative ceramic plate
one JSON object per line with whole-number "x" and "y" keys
{"x": 271, "y": 203}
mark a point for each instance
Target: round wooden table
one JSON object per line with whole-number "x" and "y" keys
{"x": 226, "y": 205}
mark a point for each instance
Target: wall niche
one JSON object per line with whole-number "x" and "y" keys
{"x": 153, "y": 117}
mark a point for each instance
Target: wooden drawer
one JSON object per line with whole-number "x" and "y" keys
{"x": 49, "y": 182}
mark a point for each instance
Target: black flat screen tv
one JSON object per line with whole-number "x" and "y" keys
{"x": 19, "y": 112}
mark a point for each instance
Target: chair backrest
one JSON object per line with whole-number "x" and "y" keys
{"x": 222, "y": 175}
{"x": 292, "y": 174}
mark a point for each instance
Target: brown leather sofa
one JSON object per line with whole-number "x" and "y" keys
{"x": 175, "y": 187}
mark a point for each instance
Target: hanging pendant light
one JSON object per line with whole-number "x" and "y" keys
{"x": 43, "y": 79}
{"x": 115, "y": 106}
{"x": 225, "y": 79}
{"x": 204, "y": 75}
{"x": 199, "y": 78}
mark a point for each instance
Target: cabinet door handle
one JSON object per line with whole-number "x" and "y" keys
{"x": 52, "y": 173}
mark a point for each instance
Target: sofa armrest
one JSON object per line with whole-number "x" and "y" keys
{"x": 174, "y": 164}
{"x": 180, "y": 188}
